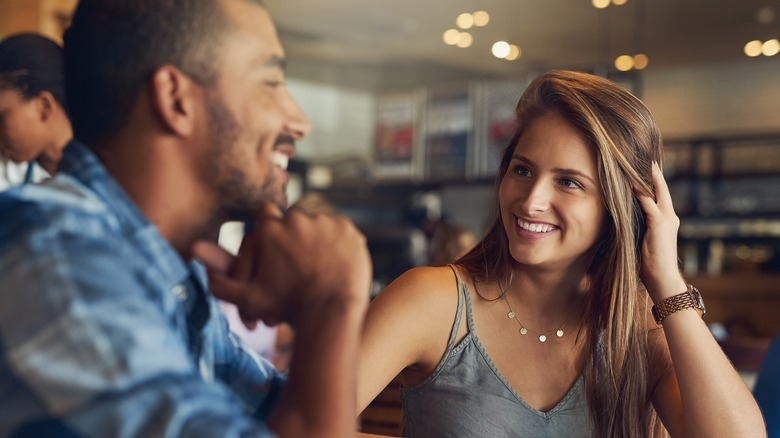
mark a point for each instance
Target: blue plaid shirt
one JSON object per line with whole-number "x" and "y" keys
{"x": 105, "y": 330}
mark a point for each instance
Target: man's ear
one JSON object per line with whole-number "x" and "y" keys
{"x": 173, "y": 95}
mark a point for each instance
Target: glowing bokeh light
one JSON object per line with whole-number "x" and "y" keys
{"x": 624, "y": 62}
{"x": 641, "y": 61}
{"x": 451, "y": 36}
{"x": 465, "y": 20}
{"x": 514, "y": 53}
{"x": 771, "y": 47}
{"x": 500, "y": 49}
{"x": 465, "y": 40}
{"x": 753, "y": 48}
{"x": 481, "y": 18}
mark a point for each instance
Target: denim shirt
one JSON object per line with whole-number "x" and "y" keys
{"x": 105, "y": 330}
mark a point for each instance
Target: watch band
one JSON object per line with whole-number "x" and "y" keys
{"x": 690, "y": 299}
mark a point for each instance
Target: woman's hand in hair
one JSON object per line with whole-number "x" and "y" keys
{"x": 659, "y": 268}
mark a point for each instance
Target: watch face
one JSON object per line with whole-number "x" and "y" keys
{"x": 699, "y": 300}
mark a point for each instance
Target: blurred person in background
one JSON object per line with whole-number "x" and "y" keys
{"x": 449, "y": 242}
{"x": 108, "y": 325}
{"x": 34, "y": 124}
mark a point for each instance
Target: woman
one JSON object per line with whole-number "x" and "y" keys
{"x": 34, "y": 124}
{"x": 545, "y": 327}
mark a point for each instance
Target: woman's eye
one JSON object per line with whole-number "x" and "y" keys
{"x": 522, "y": 170}
{"x": 570, "y": 183}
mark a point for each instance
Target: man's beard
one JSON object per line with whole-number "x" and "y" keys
{"x": 238, "y": 196}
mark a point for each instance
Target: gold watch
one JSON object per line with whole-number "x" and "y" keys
{"x": 690, "y": 299}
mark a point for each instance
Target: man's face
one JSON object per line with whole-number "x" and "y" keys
{"x": 253, "y": 120}
{"x": 22, "y": 135}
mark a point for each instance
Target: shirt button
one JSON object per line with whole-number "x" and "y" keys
{"x": 180, "y": 292}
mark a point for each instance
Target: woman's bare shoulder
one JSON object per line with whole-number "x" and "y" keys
{"x": 426, "y": 294}
{"x": 412, "y": 318}
{"x": 424, "y": 280}
{"x": 439, "y": 279}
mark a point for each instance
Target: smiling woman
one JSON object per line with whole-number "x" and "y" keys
{"x": 582, "y": 245}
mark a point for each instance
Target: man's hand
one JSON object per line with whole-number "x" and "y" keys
{"x": 313, "y": 272}
{"x": 290, "y": 265}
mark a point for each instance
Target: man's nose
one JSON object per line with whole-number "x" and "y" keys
{"x": 297, "y": 124}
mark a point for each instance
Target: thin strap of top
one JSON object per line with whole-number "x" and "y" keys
{"x": 463, "y": 297}
{"x": 456, "y": 324}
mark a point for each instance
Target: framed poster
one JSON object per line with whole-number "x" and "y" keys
{"x": 448, "y": 127}
{"x": 396, "y": 134}
{"x": 496, "y": 116}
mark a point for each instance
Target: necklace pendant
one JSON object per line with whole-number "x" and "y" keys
{"x": 542, "y": 338}
{"x": 559, "y": 333}
{"x": 523, "y": 331}
{"x": 511, "y": 314}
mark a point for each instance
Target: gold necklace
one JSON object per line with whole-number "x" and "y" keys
{"x": 524, "y": 330}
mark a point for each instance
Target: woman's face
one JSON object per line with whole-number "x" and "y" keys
{"x": 550, "y": 198}
{"x": 22, "y": 134}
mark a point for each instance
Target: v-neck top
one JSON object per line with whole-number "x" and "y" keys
{"x": 466, "y": 396}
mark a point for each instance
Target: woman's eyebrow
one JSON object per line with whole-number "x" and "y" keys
{"x": 559, "y": 170}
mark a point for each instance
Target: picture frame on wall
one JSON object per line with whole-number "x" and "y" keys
{"x": 396, "y": 136}
{"x": 449, "y": 123}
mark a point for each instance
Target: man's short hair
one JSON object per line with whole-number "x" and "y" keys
{"x": 30, "y": 64}
{"x": 113, "y": 47}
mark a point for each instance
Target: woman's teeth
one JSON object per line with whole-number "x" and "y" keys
{"x": 534, "y": 228}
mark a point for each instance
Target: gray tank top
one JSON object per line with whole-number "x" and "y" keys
{"x": 466, "y": 396}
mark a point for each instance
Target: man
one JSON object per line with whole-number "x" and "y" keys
{"x": 34, "y": 125}
{"x": 107, "y": 327}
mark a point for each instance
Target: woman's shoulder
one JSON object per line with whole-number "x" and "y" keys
{"x": 430, "y": 276}
{"x": 429, "y": 290}
{"x": 413, "y": 317}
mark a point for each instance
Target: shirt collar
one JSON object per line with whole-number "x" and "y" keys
{"x": 81, "y": 163}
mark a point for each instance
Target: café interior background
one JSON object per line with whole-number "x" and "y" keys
{"x": 410, "y": 102}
